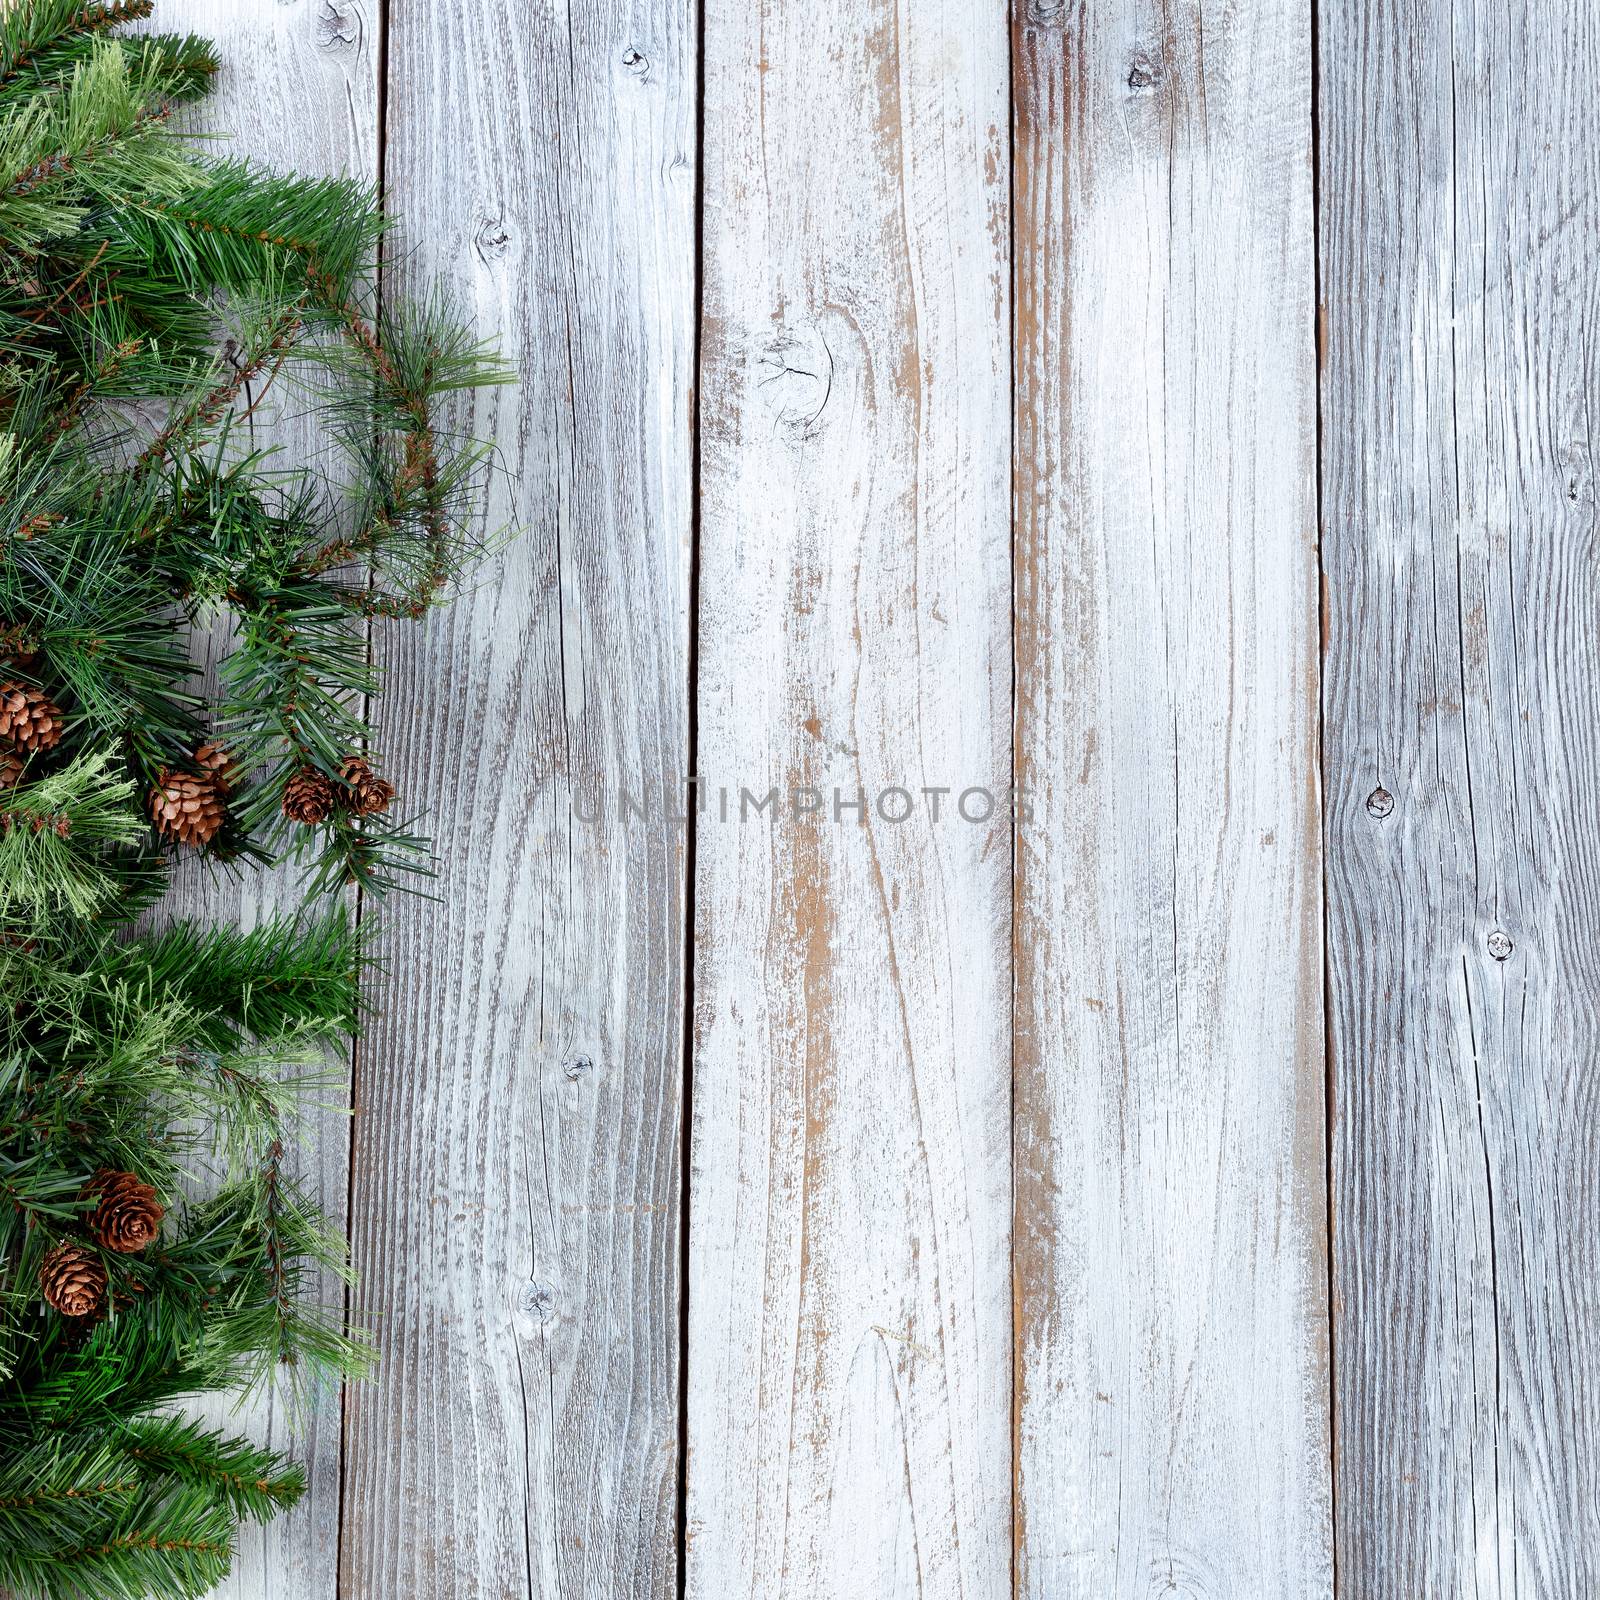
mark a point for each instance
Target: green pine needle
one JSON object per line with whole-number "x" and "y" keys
{"x": 154, "y": 299}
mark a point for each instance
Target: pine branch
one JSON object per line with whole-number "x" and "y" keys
{"x": 32, "y": 29}
{"x": 163, "y": 1541}
{"x": 135, "y": 1068}
{"x": 257, "y": 1483}
{"x": 209, "y": 408}
{"x": 288, "y": 978}
{"x": 104, "y": 133}
{"x": 182, "y": 67}
{"x": 52, "y": 834}
{"x": 56, "y": 167}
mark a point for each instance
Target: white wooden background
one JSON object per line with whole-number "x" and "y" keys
{"x": 1180, "y": 412}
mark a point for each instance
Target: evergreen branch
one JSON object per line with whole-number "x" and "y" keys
{"x": 56, "y": 167}
{"x": 287, "y": 978}
{"x": 210, "y": 407}
{"x": 35, "y": 27}
{"x": 66, "y": 293}
{"x": 132, "y": 1065}
{"x": 105, "y": 131}
{"x": 257, "y": 1483}
{"x": 242, "y": 224}
{"x": 169, "y": 1541}
{"x": 273, "y": 1248}
{"x": 180, "y": 68}
{"x": 49, "y": 856}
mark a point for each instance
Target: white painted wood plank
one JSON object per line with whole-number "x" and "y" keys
{"x": 849, "y": 1309}
{"x": 517, "y": 1166}
{"x": 1171, "y": 1208}
{"x": 1460, "y": 229}
{"x": 298, "y": 91}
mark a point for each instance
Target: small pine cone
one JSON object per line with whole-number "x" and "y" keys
{"x": 308, "y": 798}
{"x": 217, "y": 764}
{"x": 72, "y": 1280}
{"x": 11, "y": 763}
{"x": 128, "y": 1215}
{"x": 369, "y": 794}
{"x": 29, "y": 718}
{"x": 17, "y": 646}
{"x": 186, "y": 807}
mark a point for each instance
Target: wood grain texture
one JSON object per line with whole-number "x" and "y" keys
{"x": 517, "y": 1138}
{"x": 298, "y": 91}
{"x": 849, "y": 1317}
{"x": 1170, "y": 1259}
{"x": 1460, "y": 224}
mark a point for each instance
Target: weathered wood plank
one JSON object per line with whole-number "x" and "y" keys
{"x": 849, "y": 1311}
{"x": 1460, "y": 227}
{"x": 517, "y": 1168}
{"x": 1170, "y": 1259}
{"x": 298, "y": 91}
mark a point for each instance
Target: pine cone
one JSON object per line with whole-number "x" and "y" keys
{"x": 308, "y": 798}
{"x": 216, "y": 763}
{"x": 72, "y": 1280}
{"x": 128, "y": 1216}
{"x": 29, "y": 718}
{"x": 186, "y": 807}
{"x": 369, "y": 794}
{"x": 17, "y": 646}
{"x": 11, "y": 762}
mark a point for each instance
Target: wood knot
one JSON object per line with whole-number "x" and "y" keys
{"x": 492, "y": 240}
{"x": 1145, "y": 73}
{"x": 536, "y": 1302}
{"x": 339, "y": 28}
{"x": 1500, "y": 945}
{"x": 636, "y": 62}
{"x": 577, "y": 1067}
{"x": 1380, "y": 803}
{"x": 794, "y": 377}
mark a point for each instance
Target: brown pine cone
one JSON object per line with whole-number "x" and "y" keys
{"x": 17, "y": 646}
{"x": 186, "y": 807}
{"x": 128, "y": 1216}
{"x": 72, "y": 1280}
{"x": 11, "y": 762}
{"x": 369, "y": 794}
{"x": 217, "y": 764}
{"x": 308, "y": 798}
{"x": 29, "y": 718}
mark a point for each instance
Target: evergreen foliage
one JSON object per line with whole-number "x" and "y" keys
{"x": 151, "y": 293}
{"x": 138, "y": 266}
{"x": 182, "y": 1056}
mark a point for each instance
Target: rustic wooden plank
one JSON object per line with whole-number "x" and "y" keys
{"x": 517, "y": 1168}
{"x": 1460, "y": 176}
{"x": 298, "y": 91}
{"x": 849, "y": 1314}
{"x": 1170, "y": 1224}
